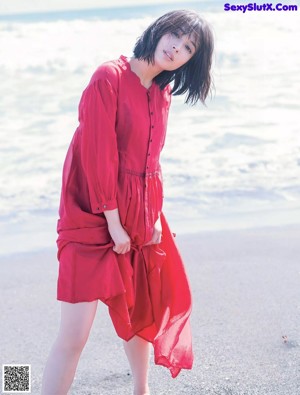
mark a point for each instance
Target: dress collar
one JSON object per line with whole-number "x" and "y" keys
{"x": 126, "y": 66}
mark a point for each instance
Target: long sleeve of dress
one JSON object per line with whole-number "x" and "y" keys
{"x": 99, "y": 153}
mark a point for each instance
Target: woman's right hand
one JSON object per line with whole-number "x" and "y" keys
{"x": 118, "y": 234}
{"x": 120, "y": 238}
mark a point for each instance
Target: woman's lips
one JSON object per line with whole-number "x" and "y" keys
{"x": 168, "y": 55}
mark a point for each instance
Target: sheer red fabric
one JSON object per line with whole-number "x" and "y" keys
{"x": 113, "y": 162}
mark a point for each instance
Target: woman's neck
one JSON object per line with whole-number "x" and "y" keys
{"x": 146, "y": 72}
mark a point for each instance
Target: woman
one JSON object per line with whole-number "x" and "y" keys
{"x": 114, "y": 242}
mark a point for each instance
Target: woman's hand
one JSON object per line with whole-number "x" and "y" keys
{"x": 156, "y": 236}
{"x": 120, "y": 238}
{"x": 118, "y": 234}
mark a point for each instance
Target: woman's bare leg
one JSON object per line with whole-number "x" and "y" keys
{"x": 76, "y": 322}
{"x": 138, "y": 352}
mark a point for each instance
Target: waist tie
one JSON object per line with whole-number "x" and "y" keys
{"x": 138, "y": 173}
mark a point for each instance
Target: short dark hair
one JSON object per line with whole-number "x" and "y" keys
{"x": 194, "y": 77}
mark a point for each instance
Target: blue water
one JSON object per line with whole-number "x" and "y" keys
{"x": 121, "y": 13}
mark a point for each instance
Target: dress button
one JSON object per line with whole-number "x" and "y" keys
{"x": 151, "y": 141}
{"x": 147, "y": 167}
{"x": 149, "y": 154}
{"x": 151, "y": 112}
{"x": 152, "y": 126}
{"x": 104, "y": 205}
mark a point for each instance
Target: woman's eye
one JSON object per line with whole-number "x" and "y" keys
{"x": 188, "y": 48}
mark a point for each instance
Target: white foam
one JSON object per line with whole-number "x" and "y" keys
{"x": 241, "y": 151}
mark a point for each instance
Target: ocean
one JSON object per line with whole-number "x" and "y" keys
{"x": 232, "y": 164}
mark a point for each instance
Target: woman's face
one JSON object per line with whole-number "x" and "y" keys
{"x": 174, "y": 50}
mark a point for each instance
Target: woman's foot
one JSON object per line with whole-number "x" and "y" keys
{"x": 142, "y": 392}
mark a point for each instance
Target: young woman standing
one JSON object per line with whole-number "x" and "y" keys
{"x": 114, "y": 242}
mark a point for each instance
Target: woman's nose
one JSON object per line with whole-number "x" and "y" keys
{"x": 175, "y": 48}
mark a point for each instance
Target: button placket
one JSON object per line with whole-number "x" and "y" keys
{"x": 150, "y": 137}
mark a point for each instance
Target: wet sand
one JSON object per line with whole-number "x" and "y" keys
{"x": 246, "y": 297}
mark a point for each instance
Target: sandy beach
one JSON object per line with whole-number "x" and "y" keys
{"x": 246, "y": 294}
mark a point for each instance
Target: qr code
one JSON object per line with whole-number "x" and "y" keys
{"x": 16, "y": 378}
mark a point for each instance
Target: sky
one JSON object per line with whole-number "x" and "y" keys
{"x": 21, "y": 6}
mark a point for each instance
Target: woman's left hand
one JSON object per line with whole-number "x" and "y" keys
{"x": 157, "y": 230}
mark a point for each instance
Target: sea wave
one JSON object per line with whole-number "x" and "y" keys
{"x": 239, "y": 154}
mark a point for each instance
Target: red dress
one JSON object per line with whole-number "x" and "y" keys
{"x": 113, "y": 162}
